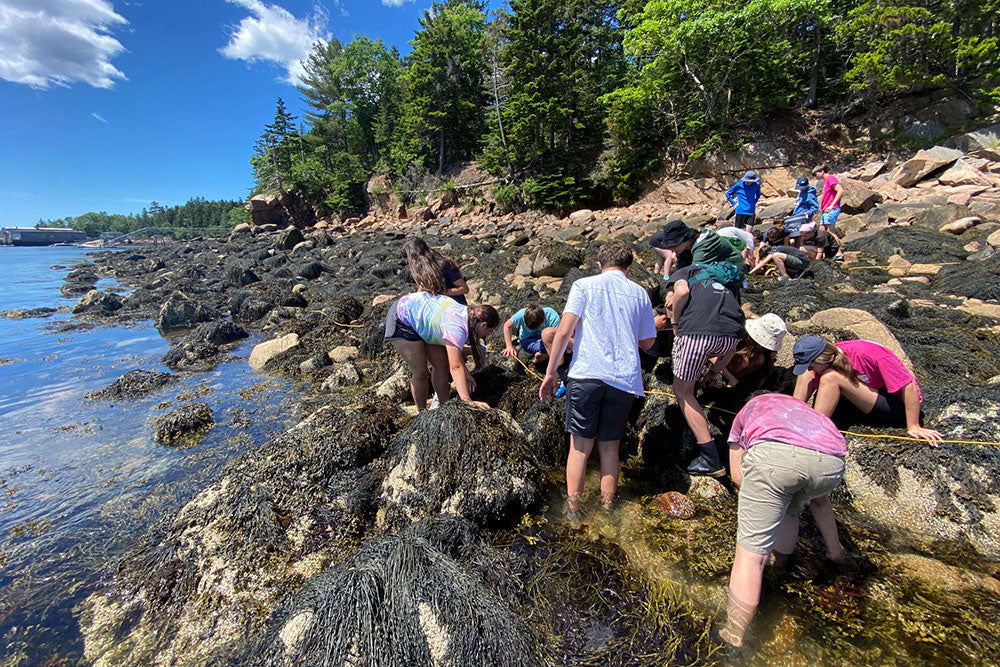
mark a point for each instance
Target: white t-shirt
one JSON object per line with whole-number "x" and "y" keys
{"x": 615, "y": 314}
{"x": 741, "y": 234}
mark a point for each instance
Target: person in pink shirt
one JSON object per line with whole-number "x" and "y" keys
{"x": 829, "y": 204}
{"x": 867, "y": 374}
{"x": 783, "y": 455}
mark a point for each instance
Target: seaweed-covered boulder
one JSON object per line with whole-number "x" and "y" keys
{"x": 915, "y": 244}
{"x": 400, "y": 600}
{"x": 202, "y": 583}
{"x": 96, "y": 301}
{"x": 133, "y": 384}
{"x": 462, "y": 461}
{"x": 555, "y": 259}
{"x": 240, "y": 275}
{"x": 222, "y": 332}
{"x": 289, "y": 239}
{"x": 181, "y": 312}
{"x": 184, "y": 425}
{"x": 972, "y": 279}
{"x": 928, "y": 494}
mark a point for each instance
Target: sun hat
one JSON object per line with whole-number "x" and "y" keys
{"x": 805, "y": 352}
{"x": 751, "y": 177}
{"x": 769, "y": 331}
{"x": 802, "y": 183}
{"x": 674, "y": 234}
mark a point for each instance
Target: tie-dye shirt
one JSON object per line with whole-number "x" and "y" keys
{"x": 439, "y": 319}
{"x": 786, "y": 419}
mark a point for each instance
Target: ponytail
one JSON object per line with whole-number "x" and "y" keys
{"x": 487, "y": 315}
{"x": 838, "y": 361}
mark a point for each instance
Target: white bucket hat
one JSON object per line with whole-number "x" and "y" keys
{"x": 768, "y": 330}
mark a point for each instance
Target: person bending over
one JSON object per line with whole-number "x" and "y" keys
{"x": 759, "y": 350}
{"x": 683, "y": 246}
{"x": 820, "y": 244}
{"x": 433, "y": 328}
{"x": 708, "y": 322}
{"x": 868, "y": 375}
{"x": 422, "y": 260}
{"x": 790, "y": 262}
{"x": 782, "y": 455}
{"x": 531, "y": 322}
{"x": 610, "y": 317}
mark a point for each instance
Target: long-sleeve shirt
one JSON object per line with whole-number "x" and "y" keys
{"x": 806, "y": 203}
{"x": 746, "y": 195}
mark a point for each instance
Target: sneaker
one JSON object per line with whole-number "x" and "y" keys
{"x": 435, "y": 403}
{"x": 838, "y": 258}
{"x": 574, "y": 518}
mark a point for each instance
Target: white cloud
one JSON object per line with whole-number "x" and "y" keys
{"x": 395, "y": 3}
{"x": 59, "y": 42}
{"x": 272, "y": 34}
{"x": 99, "y": 117}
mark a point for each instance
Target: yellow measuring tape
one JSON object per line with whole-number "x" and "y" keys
{"x": 349, "y": 326}
{"x": 897, "y": 266}
{"x": 872, "y": 436}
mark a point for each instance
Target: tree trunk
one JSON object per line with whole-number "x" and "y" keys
{"x": 814, "y": 69}
{"x": 441, "y": 153}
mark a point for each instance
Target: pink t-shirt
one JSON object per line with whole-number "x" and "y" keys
{"x": 877, "y": 367}
{"x": 828, "y": 192}
{"x": 786, "y": 419}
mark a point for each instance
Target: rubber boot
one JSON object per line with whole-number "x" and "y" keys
{"x": 707, "y": 462}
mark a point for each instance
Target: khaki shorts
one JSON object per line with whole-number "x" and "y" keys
{"x": 780, "y": 479}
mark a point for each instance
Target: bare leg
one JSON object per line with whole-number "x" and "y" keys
{"x": 440, "y": 372}
{"x": 745, "y": 583}
{"x": 608, "y": 450}
{"x": 576, "y": 468}
{"x": 549, "y": 335}
{"x": 693, "y": 414}
{"x": 788, "y": 535}
{"x": 779, "y": 261}
{"x": 833, "y": 385}
{"x": 415, "y": 355}
{"x": 826, "y": 521}
{"x": 661, "y": 258}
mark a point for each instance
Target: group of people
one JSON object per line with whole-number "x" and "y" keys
{"x": 783, "y": 453}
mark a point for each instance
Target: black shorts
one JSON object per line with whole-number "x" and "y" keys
{"x": 395, "y": 329}
{"x": 889, "y": 410}
{"x": 596, "y": 409}
{"x": 794, "y": 266}
{"x": 744, "y": 220}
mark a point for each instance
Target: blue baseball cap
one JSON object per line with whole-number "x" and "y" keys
{"x": 805, "y": 351}
{"x": 802, "y": 183}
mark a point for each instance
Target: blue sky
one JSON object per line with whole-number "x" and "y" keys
{"x": 107, "y": 105}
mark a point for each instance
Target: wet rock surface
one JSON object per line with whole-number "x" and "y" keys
{"x": 184, "y": 425}
{"x": 134, "y": 384}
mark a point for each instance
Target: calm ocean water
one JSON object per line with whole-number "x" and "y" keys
{"x": 81, "y": 480}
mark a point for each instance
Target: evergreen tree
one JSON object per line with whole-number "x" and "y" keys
{"x": 444, "y": 100}
{"x": 272, "y": 160}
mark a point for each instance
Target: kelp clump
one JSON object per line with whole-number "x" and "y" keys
{"x": 277, "y": 515}
{"x": 414, "y": 598}
{"x": 463, "y": 461}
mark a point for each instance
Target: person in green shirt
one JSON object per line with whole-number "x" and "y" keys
{"x": 686, "y": 246}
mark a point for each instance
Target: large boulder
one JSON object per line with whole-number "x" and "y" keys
{"x": 222, "y": 332}
{"x": 555, "y": 259}
{"x": 266, "y": 351}
{"x": 266, "y": 209}
{"x": 414, "y": 598}
{"x": 289, "y": 239}
{"x": 134, "y": 384}
{"x": 985, "y": 138}
{"x": 462, "y": 461}
{"x": 96, "y": 301}
{"x": 965, "y": 172}
{"x": 858, "y": 197}
{"x": 180, "y": 312}
{"x": 925, "y": 163}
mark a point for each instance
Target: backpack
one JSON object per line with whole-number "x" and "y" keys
{"x": 720, "y": 272}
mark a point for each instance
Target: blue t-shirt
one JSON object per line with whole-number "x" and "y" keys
{"x": 524, "y": 333}
{"x": 806, "y": 203}
{"x": 746, "y": 195}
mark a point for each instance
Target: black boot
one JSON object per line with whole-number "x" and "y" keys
{"x": 707, "y": 462}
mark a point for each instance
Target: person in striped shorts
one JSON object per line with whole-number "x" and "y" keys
{"x": 707, "y": 320}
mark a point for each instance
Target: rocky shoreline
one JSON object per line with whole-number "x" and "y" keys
{"x": 365, "y": 535}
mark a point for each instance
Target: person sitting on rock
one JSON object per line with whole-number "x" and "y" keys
{"x": 821, "y": 244}
{"x": 782, "y": 455}
{"x": 806, "y": 206}
{"x": 684, "y": 246}
{"x": 610, "y": 318}
{"x": 741, "y": 239}
{"x": 707, "y": 320}
{"x": 868, "y": 375}
{"x": 747, "y": 193}
{"x": 757, "y": 353}
{"x": 531, "y": 323}
{"x": 429, "y": 327}
{"x": 419, "y": 253}
{"x": 790, "y": 261}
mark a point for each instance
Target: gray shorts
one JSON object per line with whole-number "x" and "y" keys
{"x": 780, "y": 479}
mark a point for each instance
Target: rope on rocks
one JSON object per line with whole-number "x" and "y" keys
{"x": 872, "y": 436}
{"x": 894, "y": 266}
{"x": 339, "y": 324}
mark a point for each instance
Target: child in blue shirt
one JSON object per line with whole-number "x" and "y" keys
{"x": 530, "y": 322}
{"x": 747, "y": 192}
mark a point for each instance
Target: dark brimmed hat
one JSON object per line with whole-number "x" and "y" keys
{"x": 673, "y": 234}
{"x": 805, "y": 351}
